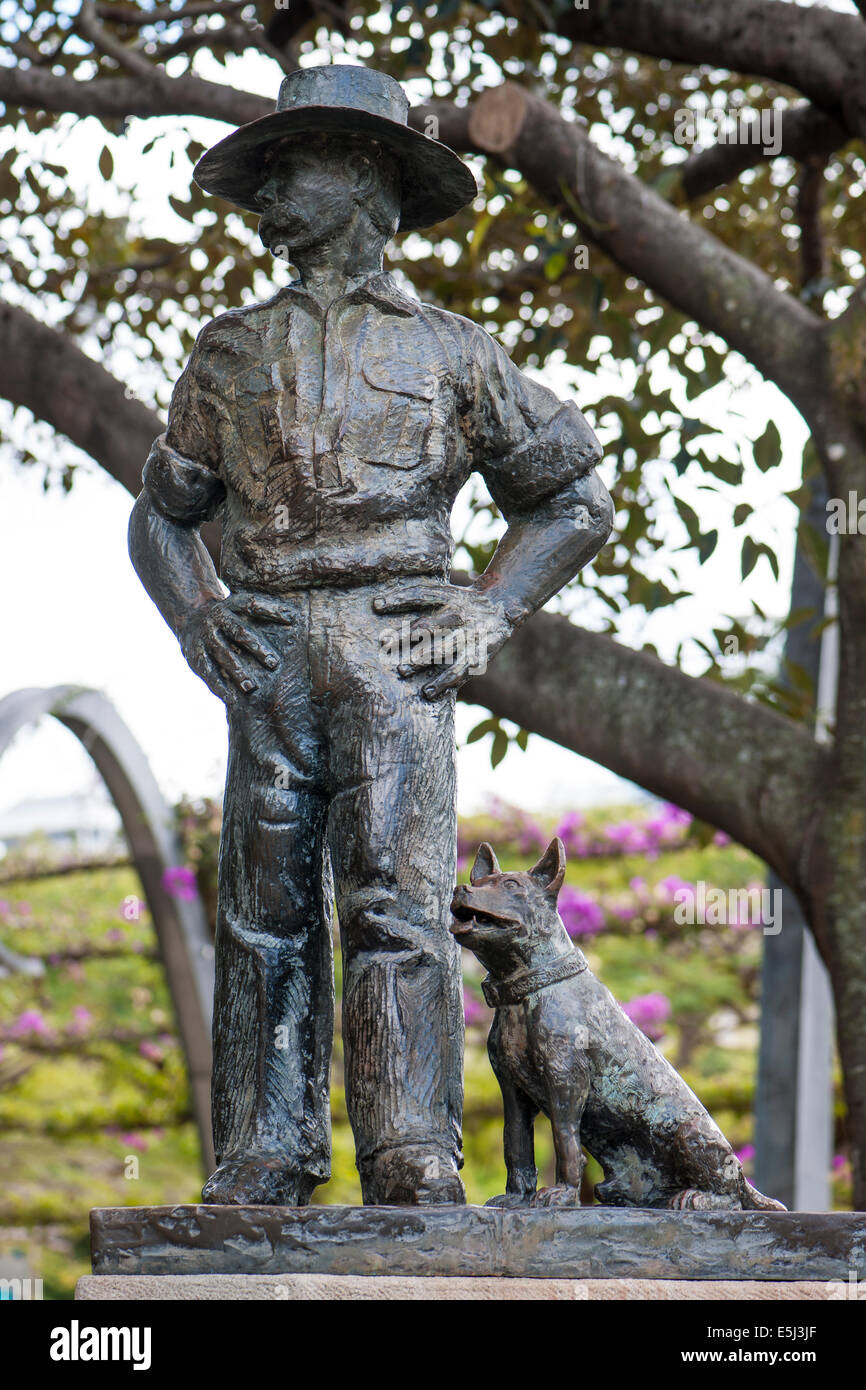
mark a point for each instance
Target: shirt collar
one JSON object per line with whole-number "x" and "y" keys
{"x": 380, "y": 289}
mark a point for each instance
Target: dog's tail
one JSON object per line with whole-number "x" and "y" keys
{"x": 753, "y": 1200}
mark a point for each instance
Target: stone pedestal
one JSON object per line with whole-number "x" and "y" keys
{"x": 387, "y": 1288}
{"x": 469, "y": 1252}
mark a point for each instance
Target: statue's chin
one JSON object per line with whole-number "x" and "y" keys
{"x": 283, "y": 243}
{"x": 282, "y": 231}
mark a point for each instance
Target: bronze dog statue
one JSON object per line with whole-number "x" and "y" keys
{"x": 560, "y": 1044}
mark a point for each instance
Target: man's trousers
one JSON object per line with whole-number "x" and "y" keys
{"x": 337, "y": 766}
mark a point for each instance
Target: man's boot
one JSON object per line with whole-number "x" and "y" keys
{"x": 259, "y": 1180}
{"x": 413, "y": 1175}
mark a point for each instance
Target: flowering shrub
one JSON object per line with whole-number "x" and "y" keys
{"x": 668, "y": 828}
{"x": 649, "y": 1012}
{"x": 581, "y": 915}
{"x": 180, "y": 882}
{"x": 30, "y": 1022}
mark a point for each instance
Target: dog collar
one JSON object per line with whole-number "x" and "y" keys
{"x": 514, "y": 990}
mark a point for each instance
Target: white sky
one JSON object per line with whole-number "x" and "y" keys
{"x": 74, "y": 610}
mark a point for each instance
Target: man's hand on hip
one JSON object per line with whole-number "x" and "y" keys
{"x": 455, "y": 631}
{"x": 221, "y": 642}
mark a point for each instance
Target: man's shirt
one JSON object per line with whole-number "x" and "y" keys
{"x": 333, "y": 443}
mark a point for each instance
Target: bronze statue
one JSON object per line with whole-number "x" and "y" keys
{"x": 331, "y": 429}
{"x": 562, "y": 1046}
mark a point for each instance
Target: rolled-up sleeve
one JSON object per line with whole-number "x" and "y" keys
{"x": 525, "y": 442}
{"x": 181, "y": 475}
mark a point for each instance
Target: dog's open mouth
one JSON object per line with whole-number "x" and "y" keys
{"x": 467, "y": 919}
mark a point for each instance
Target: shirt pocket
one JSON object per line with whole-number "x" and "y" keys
{"x": 400, "y": 411}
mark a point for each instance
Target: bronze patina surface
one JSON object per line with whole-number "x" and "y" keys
{"x": 331, "y": 429}
{"x": 564, "y": 1243}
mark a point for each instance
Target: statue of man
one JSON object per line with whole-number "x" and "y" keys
{"x": 331, "y": 429}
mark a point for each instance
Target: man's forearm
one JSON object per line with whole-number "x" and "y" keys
{"x": 540, "y": 553}
{"x": 172, "y": 563}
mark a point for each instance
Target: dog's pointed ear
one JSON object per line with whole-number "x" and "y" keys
{"x": 485, "y": 863}
{"x": 550, "y": 868}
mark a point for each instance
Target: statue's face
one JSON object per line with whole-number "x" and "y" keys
{"x": 307, "y": 196}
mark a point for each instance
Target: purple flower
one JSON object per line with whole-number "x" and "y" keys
{"x": 649, "y": 1012}
{"x": 570, "y": 833}
{"x": 151, "y": 1050}
{"x": 5, "y": 907}
{"x": 721, "y": 839}
{"x": 31, "y": 1021}
{"x": 746, "y": 1153}
{"x": 580, "y": 914}
{"x": 472, "y": 1010}
{"x": 672, "y": 885}
{"x": 134, "y": 1141}
{"x": 180, "y": 882}
{"x": 668, "y": 825}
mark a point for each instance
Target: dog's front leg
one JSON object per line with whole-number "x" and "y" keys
{"x": 565, "y": 1111}
{"x": 519, "y": 1145}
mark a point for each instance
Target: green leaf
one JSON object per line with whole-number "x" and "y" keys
{"x": 724, "y": 470}
{"x": 768, "y": 448}
{"x": 106, "y": 163}
{"x": 741, "y": 511}
{"x": 487, "y": 726}
{"x": 706, "y": 545}
{"x": 771, "y": 556}
{"x": 752, "y": 552}
{"x": 555, "y": 265}
{"x": 500, "y": 747}
{"x": 182, "y": 209}
{"x": 479, "y": 232}
{"x": 749, "y": 557}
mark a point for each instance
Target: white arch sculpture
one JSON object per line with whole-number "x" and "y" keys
{"x": 181, "y": 926}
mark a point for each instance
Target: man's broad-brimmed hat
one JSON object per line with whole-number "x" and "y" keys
{"x": 351, "y": 100}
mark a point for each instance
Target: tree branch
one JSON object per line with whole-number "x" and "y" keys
{"x": 818, "y": 51}
{"x": 740, "y": 766}
{"x": 45, "y": 371}
{"x": 115, "y": 98}
{"x": 810, "y": 188}
{"x": 282, "y": 25}
{"x": 643, "y": 233}
{"x": 140, "y": 19}
{"x": 806, "y": 133}
{"x": 125, "y": 57}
